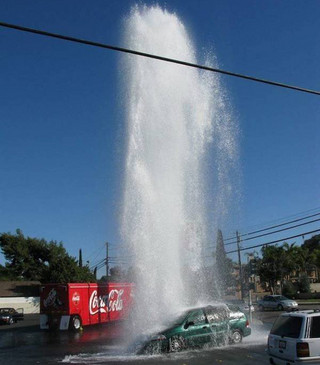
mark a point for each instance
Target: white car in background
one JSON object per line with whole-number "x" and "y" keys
{"x": 295, "y": 339}
{"x": 277, "y": 302}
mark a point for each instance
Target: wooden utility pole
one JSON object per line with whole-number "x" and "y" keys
{"x": 240, "y": 266}
{"x": 107, "y": 259}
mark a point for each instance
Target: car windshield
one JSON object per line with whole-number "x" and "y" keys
{"x": 287, "y": 326}
{"x": 180, "y": 318}
{"x": 281, "y": 297}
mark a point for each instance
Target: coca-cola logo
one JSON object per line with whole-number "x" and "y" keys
{"x": 106, "y": 303}
{"x": 76, "y": 298}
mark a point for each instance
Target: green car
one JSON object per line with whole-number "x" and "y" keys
{"x": 206, "y": 326}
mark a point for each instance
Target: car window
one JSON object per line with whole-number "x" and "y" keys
{"x": 197, "y": 317}
{"x": 287, "y": 326}
{"x": 180, "y": 319}
{"x": 282, "y": 298}
{"x": 315, "y": 327}
{"x": 217, "y": 314}
{"x": 234, "y": 308}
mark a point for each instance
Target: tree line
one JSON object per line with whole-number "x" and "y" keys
{"x": 38, "y": 260}
{"x": 289, "y": 265}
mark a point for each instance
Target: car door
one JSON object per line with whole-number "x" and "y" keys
{"x": 273, "y": 303}
{"x": 313, "y": 336}
{"x": 268, "y": 302}
{"x": 197, "y": 330}
{"x": 218, "y": 319}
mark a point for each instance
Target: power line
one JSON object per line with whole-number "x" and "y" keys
{"x": 95, "y": 252}
{"x": 279, "y": 230}
{"x": 272, "y": 242}
{"x": 111, "y": 259}
{"x": 275, "y": 226}
{"x": 101, "y": 262}
{"x": 160, "y": 58}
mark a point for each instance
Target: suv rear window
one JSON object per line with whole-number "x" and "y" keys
{"x": 286, "y": 326}
{"x": 315, "y": 327}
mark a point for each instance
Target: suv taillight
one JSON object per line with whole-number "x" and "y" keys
{"x": 247, "y": 323}
{"x": 303, "y": 349}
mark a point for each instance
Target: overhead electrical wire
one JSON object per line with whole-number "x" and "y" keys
{"x": 277, "y": 231}
{"x": 156, "y": 57}
{"x": 112, "y": 260}
{"x": 275, "y": 226}
{"x": 96, "y": 252}
{"x": 272, "y": 242}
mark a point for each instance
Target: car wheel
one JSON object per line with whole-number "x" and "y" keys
{"x": 261, "y": 308}
{"x": 75, "y": 323}
{"x": 176, "y": 344}
{"x": 236, "y": 337}
{"x": 280, "y": 307}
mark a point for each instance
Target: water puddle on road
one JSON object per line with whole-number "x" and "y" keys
{"x": 118, "y": 354}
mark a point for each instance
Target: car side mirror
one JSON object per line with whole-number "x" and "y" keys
{"x": 188, "y": 324}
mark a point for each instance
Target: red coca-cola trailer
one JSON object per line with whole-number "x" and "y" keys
{"x": 73, "y": 305}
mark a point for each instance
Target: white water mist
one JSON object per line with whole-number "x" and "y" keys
{"x": 173, "y": 115}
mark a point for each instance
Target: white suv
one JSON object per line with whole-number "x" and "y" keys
{"x": 295, "y": 338}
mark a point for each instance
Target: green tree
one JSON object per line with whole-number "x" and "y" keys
{"x": 5, "y": 274}
{"x": 270, "y": 267}
{"x": 312, "y": 244}
{"x": 36, "y": 259}
{"x": 304, "y": 284}
{"x": 80, "y": 258}
{"x": 224, "y": 265}
{"x": 288, "y": 289}
{"x": 26, "y": 257}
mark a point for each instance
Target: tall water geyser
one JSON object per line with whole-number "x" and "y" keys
{"x": 173, "y": 115}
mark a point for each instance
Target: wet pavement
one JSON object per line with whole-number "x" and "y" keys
{"x": 25, "y": 343}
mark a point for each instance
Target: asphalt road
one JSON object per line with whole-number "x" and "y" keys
{"x": 25, "y": 343}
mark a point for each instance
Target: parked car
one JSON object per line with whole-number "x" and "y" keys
{"x": 295, "y": 338}
{"x": 241, "y": 305}
{"x": 10, "y": 315}
{"x": 277, "y": 302}
{"x": 210, "y": 325}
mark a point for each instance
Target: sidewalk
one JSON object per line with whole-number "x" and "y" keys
{"x": 307, "y": 302}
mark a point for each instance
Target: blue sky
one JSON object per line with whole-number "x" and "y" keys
{"x": 61, "y": 126}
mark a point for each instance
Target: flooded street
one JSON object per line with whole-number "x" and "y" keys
{"x": 25, "y": 343}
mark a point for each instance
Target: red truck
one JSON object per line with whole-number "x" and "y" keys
{"x": 73, "y": 305}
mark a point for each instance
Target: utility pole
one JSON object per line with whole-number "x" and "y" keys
{"x": 240, "y": 266}
{"x": 107, "y": 259}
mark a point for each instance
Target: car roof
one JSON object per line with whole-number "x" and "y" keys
{"x": 209, "y": 306}
{"x": 304, "y": 313}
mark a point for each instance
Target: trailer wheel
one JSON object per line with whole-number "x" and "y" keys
{"x": 75, "y": 323}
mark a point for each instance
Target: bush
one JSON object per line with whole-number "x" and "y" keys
{"x": 304, "y": 284}
{"x": 288, "y": 289}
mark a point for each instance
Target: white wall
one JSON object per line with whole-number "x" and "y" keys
{"x": 29, "y": 304}
{"x": 315, "y": 287}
